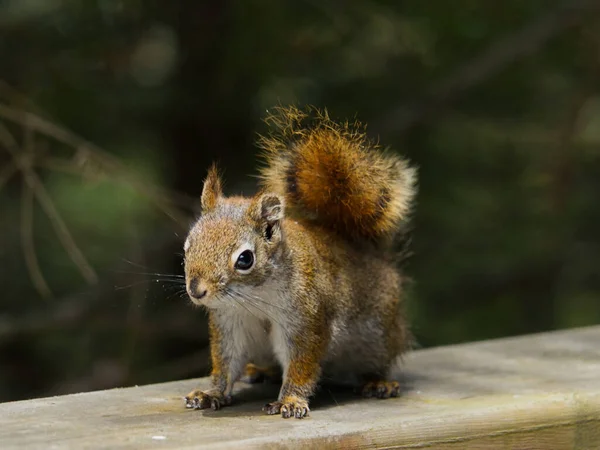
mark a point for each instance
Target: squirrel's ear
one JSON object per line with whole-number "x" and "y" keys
{"x": 271, "y": 208}
{"x": 212, "y": 190}
{"x": 267, "y": 212}
{"x": 268, "y": 208}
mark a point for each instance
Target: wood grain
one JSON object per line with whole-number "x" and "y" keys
{"x": 532, "y": 392}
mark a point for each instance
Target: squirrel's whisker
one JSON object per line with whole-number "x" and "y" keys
{"x": 143, "y": 267}
{"x": 177, "y": 293}
{"x": 174, "y": 283}
{"x": 261, "y": 300}
{"x": 127, "y": 286}
{"x": 249, "y": 298}
{"x": 152, "y": 274}
{"x": 240, "y": 300}
{"x": 262, "y": 310}
{"x": 241, "y": 303}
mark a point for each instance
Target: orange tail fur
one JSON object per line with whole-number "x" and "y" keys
{"x": 332, "y": 174}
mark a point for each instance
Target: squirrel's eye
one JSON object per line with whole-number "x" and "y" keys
{"x": 245, "y": 260}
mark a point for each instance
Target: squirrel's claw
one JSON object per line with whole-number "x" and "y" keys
{"x": 298, "y": 409}
{"x": 300, "y": 413}
{"x": 201, "y": 400}
{"x": 272, "y": 408}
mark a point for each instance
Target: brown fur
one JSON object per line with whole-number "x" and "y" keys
{"x": 323, "y": 296}
{"x": 334, "y": 174}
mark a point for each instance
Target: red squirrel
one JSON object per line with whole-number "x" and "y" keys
{"x": 304, "y": 274}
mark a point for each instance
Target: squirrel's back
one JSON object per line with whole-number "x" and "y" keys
{"x": 333, "y": 175}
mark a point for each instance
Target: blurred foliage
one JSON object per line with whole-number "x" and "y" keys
{"x": 111, "y": 111}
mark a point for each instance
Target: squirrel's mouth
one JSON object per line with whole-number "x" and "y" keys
{"x": 198, "y": 291}
{"x": 197, "y": 301}
{"x": 212, "y": 298}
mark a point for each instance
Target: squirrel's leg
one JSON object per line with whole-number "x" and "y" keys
{"x": 227, "y": 368}
{"x": 378, "y": 383}
{"x": 305, "y": 351}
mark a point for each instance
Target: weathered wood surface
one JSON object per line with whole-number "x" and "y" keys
{"x": 538, "y": 391}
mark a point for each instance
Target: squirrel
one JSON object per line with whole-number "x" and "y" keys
{"x": 304, "y": 275}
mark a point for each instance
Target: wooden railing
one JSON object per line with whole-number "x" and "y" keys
{"x": 532, "y": 392}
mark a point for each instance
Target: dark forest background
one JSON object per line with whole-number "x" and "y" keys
{"x": 111, "y": 112}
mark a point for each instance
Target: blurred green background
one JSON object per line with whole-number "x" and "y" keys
{"x": 111, "y": 112}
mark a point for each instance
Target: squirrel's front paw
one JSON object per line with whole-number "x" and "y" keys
{"x": 198, "y": 399}
{"x": 288, "y": 407}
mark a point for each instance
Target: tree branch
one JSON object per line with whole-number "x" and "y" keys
{"x": 87, "y": 151}
{"x": 23, "y": 161}
{"x": 31, "y": 261}
{"x": 63, "y": 233}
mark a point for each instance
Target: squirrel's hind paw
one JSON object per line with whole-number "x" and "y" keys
{"x": 257, "y": 374}
{"x": 198, "y": 399}
{"x": 380, "y": 389}
{"x": 289, "y": 407}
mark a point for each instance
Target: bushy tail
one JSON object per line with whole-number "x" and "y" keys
{"x": 332, "y": 174}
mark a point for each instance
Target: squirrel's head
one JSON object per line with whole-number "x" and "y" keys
{"x": 233, "y": 246}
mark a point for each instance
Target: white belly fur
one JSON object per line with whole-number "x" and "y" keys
{"x": 353, "y": 347}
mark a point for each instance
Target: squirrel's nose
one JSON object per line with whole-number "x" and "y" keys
{"x": 196, "y": 289}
